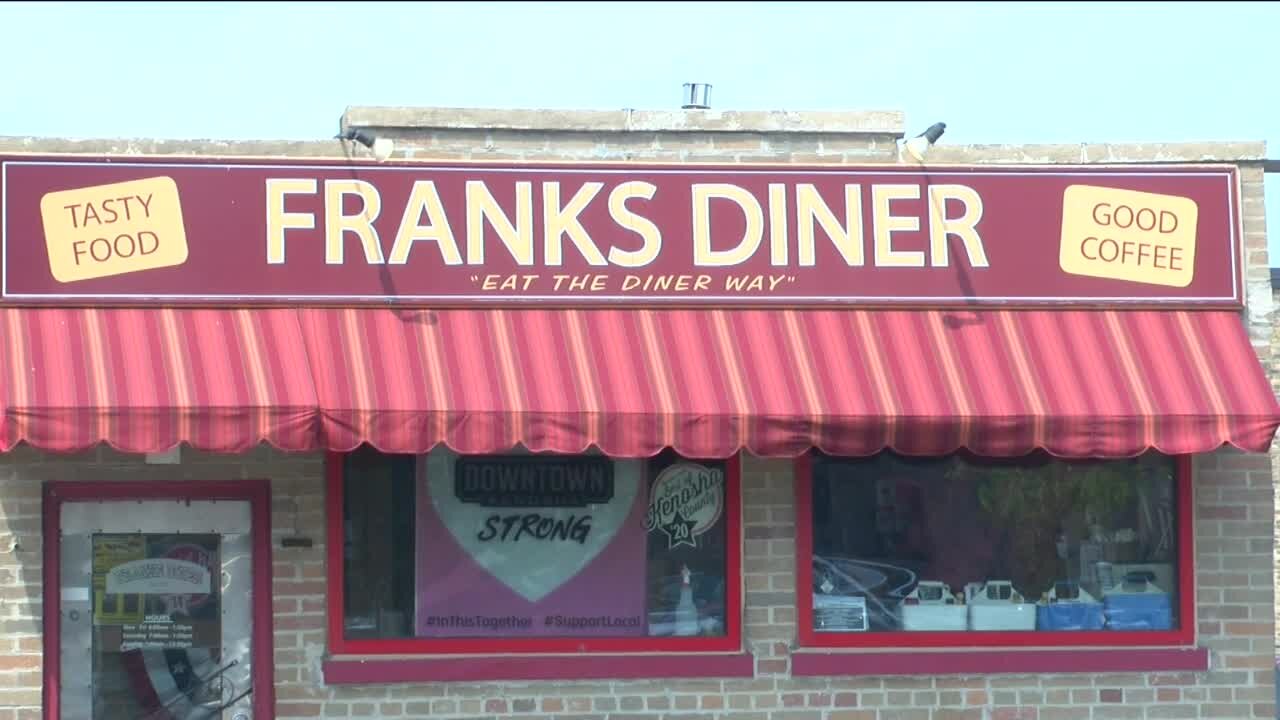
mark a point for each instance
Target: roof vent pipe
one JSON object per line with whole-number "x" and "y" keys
{"x": 697, "y": 96}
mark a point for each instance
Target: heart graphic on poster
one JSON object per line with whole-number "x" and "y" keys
{"x": 531, "y": 566}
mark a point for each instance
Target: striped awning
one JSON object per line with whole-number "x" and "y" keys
{"x": 144, "y": 380}
{"x": 632, "y": 382}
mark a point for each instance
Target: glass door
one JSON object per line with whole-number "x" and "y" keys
{"x": 156, "y": 610}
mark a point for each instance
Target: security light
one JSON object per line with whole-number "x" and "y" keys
{"x": 381, "y": 147}
{"x": 918, "y": 146}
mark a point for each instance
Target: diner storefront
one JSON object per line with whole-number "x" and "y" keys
{"x": 634, "y": 415}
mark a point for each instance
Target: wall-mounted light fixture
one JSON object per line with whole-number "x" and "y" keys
{"x": 380, "y": 146}
{"x": 918, "y": 146}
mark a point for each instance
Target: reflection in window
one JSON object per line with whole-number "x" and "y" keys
{"x": 964, "y": 544}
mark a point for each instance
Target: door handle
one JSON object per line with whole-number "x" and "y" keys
{"x": 240, "y": 714}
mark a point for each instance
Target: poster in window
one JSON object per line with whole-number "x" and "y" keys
{"x": 685, "y": 519}
{"x": 529, "y": 545}
{"x": 156, "y": 592}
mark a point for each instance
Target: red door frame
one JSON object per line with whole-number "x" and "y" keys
{"x": 256, "y": 492}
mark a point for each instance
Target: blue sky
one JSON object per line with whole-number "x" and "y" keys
{"x": 994, "y": 72}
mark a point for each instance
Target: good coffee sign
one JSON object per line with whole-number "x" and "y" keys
{"x": 221, "y": 232}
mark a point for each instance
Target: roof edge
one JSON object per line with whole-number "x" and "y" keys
{"x": 1215, "y": 151}
{"x": 843, "y": 122}
{"x": 1251, "y": 154}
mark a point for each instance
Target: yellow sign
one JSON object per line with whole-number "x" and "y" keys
{"x": 114, "y": 229}
{"x": 1128, "y": 235}
{"x": 108, "y": 552}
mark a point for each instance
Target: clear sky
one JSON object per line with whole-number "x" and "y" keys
{"x": 994, "y": 72}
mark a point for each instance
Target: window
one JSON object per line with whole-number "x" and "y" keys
{"x": 523, "y": 552}
{"x": 964, "y": 551}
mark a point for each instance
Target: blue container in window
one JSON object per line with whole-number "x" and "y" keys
{"x": 1137, "y": 604}
{"x": 1070, "y": 608}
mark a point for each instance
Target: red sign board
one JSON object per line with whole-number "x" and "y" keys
{"x": 215, "y": 231}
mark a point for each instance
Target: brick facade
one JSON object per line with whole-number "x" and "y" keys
{"x": 1233, "y": 504}
{"x": 1275, "y": 447}
{"x": 1233, "y": 579}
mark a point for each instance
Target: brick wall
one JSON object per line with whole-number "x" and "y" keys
{"x": 1275, "y": 459}
{"x": 1234, "y": 492}
{"x": 1234, "y": 570}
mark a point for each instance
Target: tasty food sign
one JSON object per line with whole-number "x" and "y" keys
{"x": 201, "y": 231}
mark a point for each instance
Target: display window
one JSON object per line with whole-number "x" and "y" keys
{"x": 967, "y": 551}
{"x": 525, "y": 552}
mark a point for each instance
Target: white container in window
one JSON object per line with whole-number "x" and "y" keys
{"x": 996, "y": 605}
{"x": 932, "y": 606}
{"x": 1067, "y": 592}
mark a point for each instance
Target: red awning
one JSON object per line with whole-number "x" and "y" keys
{"x": 708, "y": 383}
{"x": 705, "y": 382}
{"x": 145, "y": 380}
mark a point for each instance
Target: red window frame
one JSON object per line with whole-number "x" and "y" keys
{"x": 340, "y": 645}
{"x": 1183, "y": 636}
